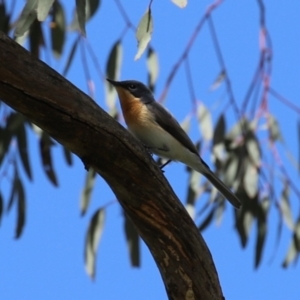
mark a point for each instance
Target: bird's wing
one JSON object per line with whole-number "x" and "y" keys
{"x": 169, "y": 124}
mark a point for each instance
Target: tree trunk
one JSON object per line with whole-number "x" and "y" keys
{"x": 50, "y": 101}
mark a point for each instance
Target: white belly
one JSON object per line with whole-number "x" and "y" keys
{"x": 164, "y": 145}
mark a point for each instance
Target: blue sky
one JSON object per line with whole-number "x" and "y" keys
{"x": 47, "y": 261}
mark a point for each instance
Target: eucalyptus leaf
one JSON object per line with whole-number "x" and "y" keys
{"x": 143, "y": 33}
{"x": 28, "y": 15}
{"x": 133, "y": 242}
{"x": 43, "y": 9}
{"x": 92, "y": 240}
{"x": 205, "y": 122}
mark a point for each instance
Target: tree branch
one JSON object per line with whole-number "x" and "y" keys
{"x": 74, "y": 120}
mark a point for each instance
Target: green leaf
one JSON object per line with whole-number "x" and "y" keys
{"x": 193, "y": 192}
{"x": 45, "y": 148}
{"x": 71, "y": 56}
{"x": 87, "y": 190}
{"x": 218, "y": 81}
{"x": 92, "y": 240}
{"x": 180, "y": 3}
{"x": 68, "y": 156}
{"x": 113, "y": 67}
{"x": 297, "y": 234}
{"x": 13, "y": 189}
{"x": 14, "y": 121}
{"x": 90, "y": 7}
{"x": 132, "y": 239}
{"x": 153, "y": 68}
{"x": 4, "y": 18}
{"x": 274, "y": 130}
{"x": 36, "y": 38}
{"x": 28, "y": 15}
{"x": 207, "y": 220}
{"x": 143, "y": 33}
{"x": 236, "y": 130}
{"x": 219, "y": 133}
{"x": 292, "y": 254}
{"x": 205, "y": 122}
{"x": 261, "y": 235}
{"x": 250, "y": 179}
{"x": 254, "y": 151}
{"x": 186, "y": 123}
{"x": 5, "y": 139}
{"x": 23, "y": 149}
{"x": 21, "y": 208}
{"x": 219, "y": 213}
{"x": 43, "y": 9}
{"x": 285, "y": 207}
{"x": 244, "y": 217}
{"x": 81, "y": 15}
{"x": 58, "y": 29}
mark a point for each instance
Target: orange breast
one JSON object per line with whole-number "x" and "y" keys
{"x": 134, "y": 111}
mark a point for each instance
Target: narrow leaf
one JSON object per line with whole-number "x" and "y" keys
{"x": 219, "y": 133}
{"x": 28, "y": 15}
{"x": 13, "y": 190}
{"x": 81, "y": 15}
{"x": 71, "y": 56}
{"x": 21, "y": 209}
{"x": 153, "y": 68}
{"x": 254, "y": 151}
{"x": 261, "y": 235}
{"x": 92, "y": 240}
{"x": 45, "y": 149}
{"x": 207, "y": 220}
{"x": 205, "y": 122}
{"x": 143, "y": 33}
{"x": 132, "y": 239}
{"x": 23, "y": 149}
{"x": 285, "y": 207}
{"x": 292, "y": 254}
{"x": 186, "y": 123}
{"x": 193, "y": 192}
{"x": 180, "y": 3}
{"x": 91, "y": 8}
{"x": 113, "y": 67}
{"x": 4, "y": 18}
{"x": 250, "y": 179}
{"x": 68, "y": 156}
{"x": 86, "y": 193}
{"x": 5, "y": 139}
{"x": 58, "y": 28}
{"x": 218, "y": 81}
{"x": 274, "y": 130}
{"x": 43, "y": 9}
{"x": 36, "y": 38}
{"x": 231, "y": 168}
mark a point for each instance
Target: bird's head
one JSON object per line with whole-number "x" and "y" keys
{"x": 132, "y": 89}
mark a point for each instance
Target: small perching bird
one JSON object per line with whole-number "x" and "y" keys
{"x": 157, "y": 129}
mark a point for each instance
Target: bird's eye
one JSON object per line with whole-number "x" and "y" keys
{"x": 132, "y": 86}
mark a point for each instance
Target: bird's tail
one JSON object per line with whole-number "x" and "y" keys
{"x": 222, "y": 188}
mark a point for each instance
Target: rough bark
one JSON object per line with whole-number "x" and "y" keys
{"x": 74, "y": 120}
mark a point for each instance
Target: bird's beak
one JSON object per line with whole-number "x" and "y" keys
{"x": 114, "y": 83}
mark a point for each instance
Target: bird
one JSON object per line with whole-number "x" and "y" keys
{"x": 150, "y": 123}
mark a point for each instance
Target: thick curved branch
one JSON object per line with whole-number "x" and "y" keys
{"x": 73, "y": 119}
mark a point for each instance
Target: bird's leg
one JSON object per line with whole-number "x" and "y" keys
{"x": 166, "y": 163}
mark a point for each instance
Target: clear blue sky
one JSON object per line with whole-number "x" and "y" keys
{"x": 47, "y": 261}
